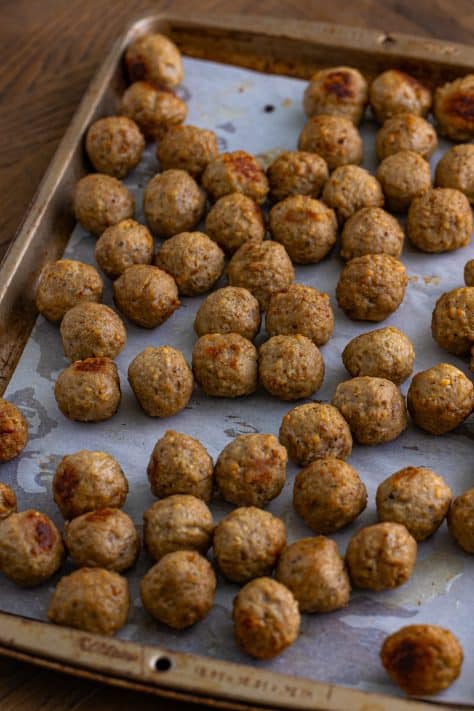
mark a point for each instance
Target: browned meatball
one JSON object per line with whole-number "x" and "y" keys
{"x": 155, "y": 58}
{"x": 91, "y": 599}
{"x": 188, "y": 148}
{"x": 406, "y": 132}
{"x": 301, "y": 309}
{"x": 179, "y": 589}
{"x": 461, "y": 520}
{"x": 7, "y": 501}
{"x": 88, "y": 390}
{"x": 440, "y": 398}
{"x": 154, "y": 110}
{"x": 178, "y": 522}
{"x": 101, "y": 201}
{"x": 351, "y": 188}
{"x": 454, "y": 108}
{"x": 179, "y": 464}
{"x": 106, "y": 538}
{"x": 297, "y": 173}
{"x": 440, "y": 220}
{"x": 114, "y": 145}
{"x": 173, "y": 203}
{"x": 266, "y": 618}
{"x": 91, "y": 330}
{"x": 86, "y": 481}
{"x": 403, "y": 176}
{"x": 233, "y": 220}
{"x": 305, "y": 227}
{"x": 146, "y": 295}
{"x": 422, "y": 659}
{"x": 65, "y": 283}
{"x": 194, "y": 260}
{"x": 225, "y": 365}
{"x": 290, "y": 367}
{"x": 247, "y": 543}
{"x": 235, "y": 172}
{"x": 395, "y": 92}
{"x": 469, "y": 273}
{"x": 384, "y": 353}
{"x": 122, "y": 245}
{"x": 334, "y": 138}
{"x": 452, "y": 324}
{"x": 337, "y": 91}
{"x": 13, "y": 431}
{"x": 314, "y": 571}
{"x": 456, "y": 170}
{"x": 229, "y": 310}
{"x": 371, "y": 230}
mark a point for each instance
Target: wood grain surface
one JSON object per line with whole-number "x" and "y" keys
{"x": 49, "y": 50}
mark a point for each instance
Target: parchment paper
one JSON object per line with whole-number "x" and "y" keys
{"x": 261, "y": 114}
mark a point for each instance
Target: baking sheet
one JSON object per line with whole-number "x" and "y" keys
{"x": 261, "y": 114}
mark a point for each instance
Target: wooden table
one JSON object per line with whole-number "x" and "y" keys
{"x": 49, "y": 50}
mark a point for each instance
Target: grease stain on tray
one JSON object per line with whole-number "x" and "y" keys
{"x": 428, "y": 279}
{"x": 267, "y": 157}
{"x": 431, "y": 578}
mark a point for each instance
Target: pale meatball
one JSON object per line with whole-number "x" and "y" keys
{"x": 161, "y": 380}
{"x": 91, "y": 330}
{"x": 146, "y": 295}
{"x": 123, "y": 245}
{"x": 65, "y": 283}
{"x": 32, "y": 549}
{"x": 88, "y": 390}
{"x": 454, "y": 108}
{"x": 456, "y": 170}
{"x": 334, "y": 138}
{"x": 349, "y": 189}
{"x": 305, "y": 227}
{"x": 229, "y": 310}
{"x": 251, "y": 470}
{"x": 403, "y": 176}
{"x": 233, "y": 220}
{"x": 193, "y": 259}
{"x": 225, "y": 365}
{"x": 178, "y": 522}
{"x": 440, "y": 220}
{"x": 384, "y": 353}
{"x": 173, "y": 203}
{"x": 7, "y": 501}
{"x": 337, "y": 91}
{"x": 155, "y": 58}
{"x": 381, "y": 556}
{"x": 371, "y": 230}
{"x": 452, "y": 324}
{"x": 374, "y": 408}
{"x": 106, "y": 538}
{"x": 188, "y": 148}
{"x": 371, "y": 287}
{"x": 236, "y": 172}
{"x": 297, "y": 173}
{"x": 153, "y": 109}
{"x": 13, "y": 431}
{"x": 406, "y": 132}
{"x": 179, "y": 590}
{"x": 329, "y": 494}
{"x": 91, "y": 599}
{"x": 301, "y": 309}
{"x": 461, "y": 520}
{"x": 247, "y": 543}
{"x": 86, "y": 481}
{"x": 315, "y": 431}
{"x": 266, "y": 618}
{"x": 114, "y": 145}
{"x": 179, "y": 464}
{"x": 100, "y": 201}
{"x": 314, "y": 571}
{"x": 440, "y": 398}
{"x": 290, "y": 367}
{"x": 395, "y": 92}
{"x": 469, "y": 273}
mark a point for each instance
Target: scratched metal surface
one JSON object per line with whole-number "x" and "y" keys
{"x": 341, "y": 647}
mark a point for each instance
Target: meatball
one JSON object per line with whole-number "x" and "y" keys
{"x": 146, "y": 295}
{"x": 351, "y": 188}
{"x": 225, "y": 365}
{"x": 156, "y": 59}
{"x": 406, "y": 132}
{"x": 264, "y": 268}
{"x": 456, "y": 170}
{"x": 161, "y": 380}
{"x": 65, "y": 283}
{"x": 461, "y": 520}
{"x": 374, "y": 408}
{"x": 235, "y": 172}
{"x": 13, "y": 431}
{"x": 454, "y": 108}
{"x": 247, "y": 543}
{"x": 440, "y": 398}
{"x": 314, "y": 571}
{"x": 178, "y": 522}
{"x": 290, "y": 367}
{"x": 233, "y": 220}
{"x": 251, "y": 470}
{"x": 31, "y": 550}
{"x": 384, "y": 353}
{"x": 297, "y": 173}
{"x": 188, "y": 148}
{"x": 153, "y": 109}
{"x": 469, "y": 273}
{"x": 371, "y": 287}
{"x": 337, "y": 91}
{"x": 88, "y": 390}
{"x": 193, "y": 259}
{"x": 91, "y": 599}
{"x": 301, "y": 309}
{"x": 91, "y": 330}
{"x": 7, "y": 501}
{"x": 173, "y": 203}
{"x": 315, "y": 431}
{"x": 114, "y": 145}
{"x": 381, "y": 556}
{"x": 122, "y": 245}
{"x": 371, "y": 230}
{"x": 101, "y": 201}
{"x": 86, "y": 481}
{"x": 105, "y": 538}
{"x": 422, "y": 659}
{"x": 266, "y": 618}
{"x": 333, "y": 138}
{"x": 452, "y": 324}
{"x": 179, "y": 464}
{"x": 403, "y": 176}
{"x": 305, "y": 227}
{"x": 440, "y": 220}
{"x": 229, "y": 310}
{"x": 394, "y": 92}
{"x": 179, "y": 590}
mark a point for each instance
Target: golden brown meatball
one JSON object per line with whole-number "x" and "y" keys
{"x": 247, "y": 543}
{"x": 314, "y": 571}
{"x": 233, "y": 220}
{"x": 65, "y": 283}
{"x": 155, "y": 58}
{"x": 266, "y": 618}
{"x": 440, "y": 398}
{"x": 290, "y": 367}
{"x": 337, "y": 91}
{"x": 440, "y": 220}
{"x": 122, "y": 245}
{"x": 229, "y": 310}
{"x": 251, "y": 470}
{"x": 7, "y": 501}
{"x": 32, "y": 548}
{"x": 456, "y": 170}
{"x": 297, "y": 173}
{"x": 179, "y": 589}
{"x": 301, "y": 309}
{"x": 395, "y": 92}
{"x": 452, "y": 324}
{"x": 114, "y": 145}
{"x": 154, "y": 110}
{"x": 422, "y": 659}
{"x": 188, "y": 148}
{"x": 334, "y": 138}
{"x": 235, "y": 172}
{"x": 406, "y": 132}
{"x": 88, "y": 390}
{"x": 225, "y": 365}
{"x": 100, "y": 201}
{"x": 91, "y": 599}
{"x": 371, "y": 230}
{"x": 194, "y": 260}
{"x": 454, "y": 108}
{"x": 86, "y": 481}
{"x": 469, "y": 273}
{"x": 461, "y": 520}
{"x": 146, "y": 295}
{"x": 384, "y": 353}
{"x": 13, "y": 431}
{"x": 179, "y": 464}
{"x": 173, "y": 203}
{"x": 350, "y": 188}
{"x": 91, "y": 330}
{"x": 403, "y": 176}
